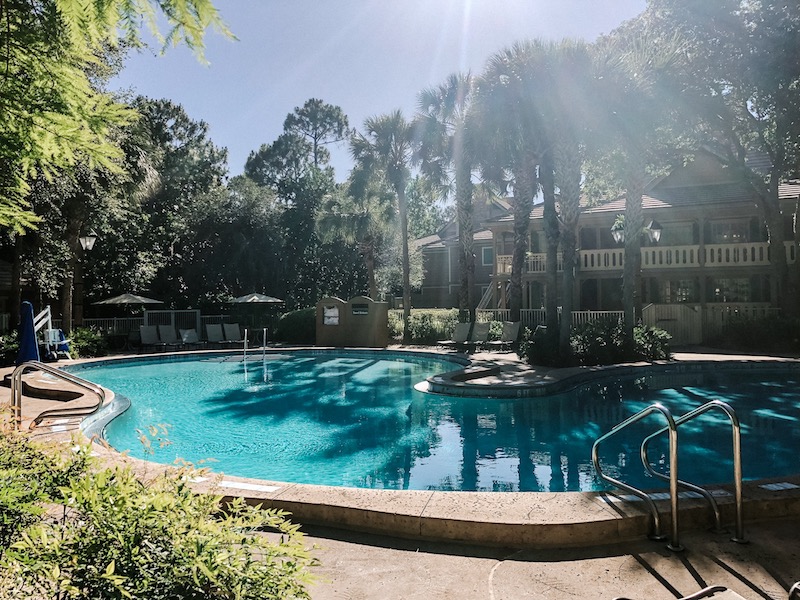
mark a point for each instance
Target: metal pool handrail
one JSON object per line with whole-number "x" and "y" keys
{"x": 737, "y": 462}
{"x": 16, "y": 393}
{"x": 674, "y": 543}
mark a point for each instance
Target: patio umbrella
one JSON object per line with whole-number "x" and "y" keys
{"x": 256, "y": 298}
{"x": 128, "y": 299}
{"x": 28, "y": 346}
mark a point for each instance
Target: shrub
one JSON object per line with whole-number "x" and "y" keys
{"x": 768, "y": 334}
{"x": 122, "y": 538}
{"x": 600, "y": 342}
{"x": 427, "y": 326}
{"x": 298, "y": 327}
{"x": 85, "y": 342}
{"x": 9, "y": 347}
{"x": 651, "y": 343}
{"x": 30, "y": 477}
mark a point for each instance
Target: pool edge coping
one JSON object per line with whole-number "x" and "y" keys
{"x": 512, "y": 519}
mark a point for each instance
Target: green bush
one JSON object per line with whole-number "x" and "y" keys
{"x": 600, "y": 342}
{"x": 651, "y": 343}
{"x": 85, "y": 342}
{"x": 9, "y": 348}
{"x": 427, "y": 326}
{"x": 769, "y": 334}
{"x": 118, "y": 537}
{"x": 30, "y": 477}
{"x": 298, "y": 327}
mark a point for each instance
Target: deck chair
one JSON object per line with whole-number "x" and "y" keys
{"x": 715, "y": 592}
{"x": 214, "y": 334}
{"x": 148, "y": 334}
{"x": 479, "y": 337}
{"x": 167, "y": 336}
{"x": 460, "y": 336}
{"x": 190, "y": 339}
{"x": 57, "y": 344}
{"x": 507, "y": 338}
{"x": 233, "y": 334}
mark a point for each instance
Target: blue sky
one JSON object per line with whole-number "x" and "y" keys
{"x": 367, "y": 56}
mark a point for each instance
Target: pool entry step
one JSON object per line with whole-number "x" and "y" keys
{"x": 674, "y": 482}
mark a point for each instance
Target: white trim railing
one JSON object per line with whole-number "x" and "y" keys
{"x": 659, "y": 257}
{"x": 756, "y": 253}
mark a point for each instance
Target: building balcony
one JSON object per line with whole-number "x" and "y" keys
{"x": 659, "y": 257}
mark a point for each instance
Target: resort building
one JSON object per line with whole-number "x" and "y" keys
{"x": 709, "y": 257}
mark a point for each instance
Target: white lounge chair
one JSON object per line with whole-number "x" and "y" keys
{"x": 508, "y": 337}
{"x": 460, "y": 335}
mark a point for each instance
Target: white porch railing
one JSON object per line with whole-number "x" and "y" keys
{"x": 531, "y": 317}
{"x": 601, "y": 260}
{"x": 535, "y": 262}
{"x": 660, "y": 257}
{"x": 670, "y": 257}
{"x": 737, "y": 254}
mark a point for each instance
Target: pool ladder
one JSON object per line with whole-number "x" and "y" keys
{"x": 674, "y": 482}
{"x": 81, "y": 411}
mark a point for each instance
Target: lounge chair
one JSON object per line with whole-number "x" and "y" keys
{"x": 479, "y": 336}
{"x": 168, "y": 337}
{"x": 460, "y": 335}
{"x": 233, "y": 333}
{"x": 190, "y": 339}
{"x": 507, "y": 338}
{"x": 214, "y": 334}
{"x": 717, "y": 592}
{"x": 148, "y": 335}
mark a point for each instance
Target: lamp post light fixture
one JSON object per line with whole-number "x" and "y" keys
{"x": 653, "y": 230}
{"x": 87, "y": 241}
{"x": 618, "y": 230}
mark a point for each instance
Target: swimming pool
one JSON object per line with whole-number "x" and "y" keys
{"x": 355, "y": 420}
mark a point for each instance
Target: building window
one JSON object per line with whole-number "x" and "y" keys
{"x": 730, "y": 232}
{"x": 487, "y": 256}
{"x": 678, "y": 290}
{"x": 740, "y": 289}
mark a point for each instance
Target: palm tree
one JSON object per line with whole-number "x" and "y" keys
{"x": 362, "y": 214}
{"x": 387, "y": 146}
{"x": 508, "y": 103}
{"x": 569, "y": 107}
{"x": 630, "y": 69}
{"x": 447, "y": 159}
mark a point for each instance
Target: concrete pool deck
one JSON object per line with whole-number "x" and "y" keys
{"x": 604, "y": 535}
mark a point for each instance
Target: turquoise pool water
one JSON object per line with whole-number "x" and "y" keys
{"x": 355, "y": 420}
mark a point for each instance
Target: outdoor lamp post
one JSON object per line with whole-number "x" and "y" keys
{"x": 87, "y": 243}
{"x": 653, "y": 230}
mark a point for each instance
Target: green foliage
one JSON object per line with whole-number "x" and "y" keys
{"x": 86, "y": 342}
{"x": 600, "y": 342}
{"x": 298, "y": 327}
{"x": 651, "y": 343}
{"x": 119, "y": 537}
{"x": 53, "y": 117}
{"x": 427, "y": 326}
{"x": 770, "y": 334}
{"x": 29, "y": 477}
{"x": 9, "y": 347}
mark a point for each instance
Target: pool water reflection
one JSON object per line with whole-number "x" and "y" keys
{"x": 355, "y": 420}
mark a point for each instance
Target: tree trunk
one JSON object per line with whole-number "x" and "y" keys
{"x": 551, "y": 264}
{"x": 523, "y": 203}
{"x": 15, "y": 300}
{"x": 632, "y": 267}
{"x": 368, "y": 252}
{"x": 403, "y": 210}
{"x": 466, "y": 256}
